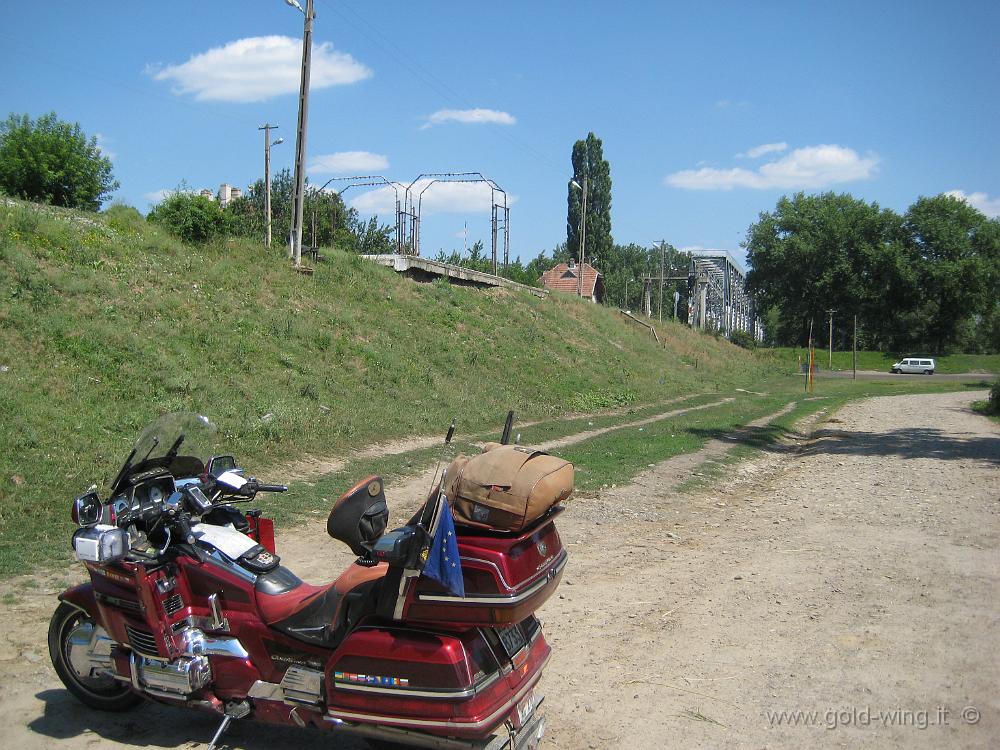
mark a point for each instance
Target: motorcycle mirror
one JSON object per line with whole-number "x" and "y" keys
{"x": 451, "y": 433}
{"x": 221, "y": 464}
{"x": 86, "y": 510}
{"x": 231, "y": 480}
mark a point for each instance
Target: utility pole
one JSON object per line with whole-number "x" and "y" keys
{"x": 809, "y": 361}
{"x": 830, "y": 313}
{"x": 583, "y": 239}
{"x": 295, "y": 251}
{"x": 855, "y": 357}
{"x": 267, "y": 128}
{"x": 663, "y": 251}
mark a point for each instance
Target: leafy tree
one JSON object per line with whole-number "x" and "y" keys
{"x": 827, "y": 251}
{"x": 336, "y": 225}
{"x": 50, "y": 161}
{"x": 372, "y": 238}
{"x": 957, "y": 249}
{"x": 632, "y": 262}
{"x": 193, "y": 218}
{"x": 589, "y": 162}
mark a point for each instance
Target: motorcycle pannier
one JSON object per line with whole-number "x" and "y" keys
{"x": 507, "y": 487}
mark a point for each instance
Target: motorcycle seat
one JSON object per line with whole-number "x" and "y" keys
{"x": 323, "y": 615}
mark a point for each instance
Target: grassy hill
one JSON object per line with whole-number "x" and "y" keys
{"x": 107, "y": 322}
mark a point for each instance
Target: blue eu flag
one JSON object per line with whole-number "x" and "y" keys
{"x": 443, "y": 564}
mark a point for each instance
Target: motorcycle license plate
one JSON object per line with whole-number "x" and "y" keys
{"x": 526, "y": 708}
{"x": 512, "y": 639}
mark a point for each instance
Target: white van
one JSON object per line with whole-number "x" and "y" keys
{"x": 914, "y": 365}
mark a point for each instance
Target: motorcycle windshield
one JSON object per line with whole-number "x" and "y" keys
{"x": 179, "y": 441}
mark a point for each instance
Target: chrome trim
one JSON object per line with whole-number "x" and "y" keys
{"x": 500, "y": 598}
{"x": 443, "y": 724}
{"x": 142, "y": 641}
{"x": 196, "y": 643}
{"x": 133, "y": 669}
{"x": 402, "y": 692}
{"x": 90, "y": 649}
{"x": 492, "y": 565}
{"x": 404, "y": 581}
{"x": 173, "y": 604}
{"x": 302, "y": 686}
{"x": 218, "y": 621}
{"x": 266, "y": 691}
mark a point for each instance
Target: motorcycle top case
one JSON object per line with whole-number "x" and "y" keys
{"x": 507, "y": 577}
{"x": 507, "y": 487}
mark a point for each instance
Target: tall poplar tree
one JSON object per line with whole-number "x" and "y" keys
{"x": 588, "y": 161}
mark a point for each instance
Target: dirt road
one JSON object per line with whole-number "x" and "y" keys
{"x": 854, "y": 578}
{"x": 857, "y": 580}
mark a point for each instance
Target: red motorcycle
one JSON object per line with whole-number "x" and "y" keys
{"x": 188, "y": 605}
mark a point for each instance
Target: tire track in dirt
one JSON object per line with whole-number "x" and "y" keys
{"x": 310, "y": 468}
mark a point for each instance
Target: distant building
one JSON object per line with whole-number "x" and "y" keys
{"x": 206, "y": 193}
{"x": 228, "y": 193}
{"x": 564, "y": 278}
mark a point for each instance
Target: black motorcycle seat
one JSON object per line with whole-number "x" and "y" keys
{"x": 322, "y": 615}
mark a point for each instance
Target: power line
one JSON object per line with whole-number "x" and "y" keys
{"x": 428, "y": 78}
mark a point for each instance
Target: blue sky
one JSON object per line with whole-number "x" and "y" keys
{"x": 709, "y": 112}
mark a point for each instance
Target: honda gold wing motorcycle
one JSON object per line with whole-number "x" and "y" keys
{"x": 188, "y": 603}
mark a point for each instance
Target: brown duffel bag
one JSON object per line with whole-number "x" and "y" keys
{"x": 506, "y": 487}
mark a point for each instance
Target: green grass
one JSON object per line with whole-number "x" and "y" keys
{"x": 986, "y": 409}
{"x": 790, "y": 357}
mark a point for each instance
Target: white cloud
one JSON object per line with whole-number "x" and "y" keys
{"x": 102, "y": 143}
{"x": 808, "y": 167}
{"x": 469, "y": 117}
{"x": 442, "y": 197}
{"x": 980, "y": 201}
{"x": 345, "y": 162}
{"x": 258, "y": 68}
{"x": 765, "y": 148}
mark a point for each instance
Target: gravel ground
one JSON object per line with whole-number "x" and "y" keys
{"x": 853, "y": 577}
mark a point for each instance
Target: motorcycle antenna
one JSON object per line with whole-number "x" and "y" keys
{"x": 444, "y": 448}
{"x": 424, "y": 519}
{"x": 507, "y": 427}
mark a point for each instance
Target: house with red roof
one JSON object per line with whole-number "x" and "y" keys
{"x": 565, "y": 277}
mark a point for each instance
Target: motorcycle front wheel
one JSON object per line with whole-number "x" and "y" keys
{"x": 102, "y": 692}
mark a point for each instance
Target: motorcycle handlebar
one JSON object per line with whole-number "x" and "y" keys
{"x": 272, "y": 488}
{"x": 184, "y": 526}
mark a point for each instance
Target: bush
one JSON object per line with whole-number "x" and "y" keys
{"x": 193, "y": 218}
{"x": 50, "y": 161}
{"x": 124, "y": 218}
{"x": 744, "y": 339}
{"x": 993, "y": 405}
